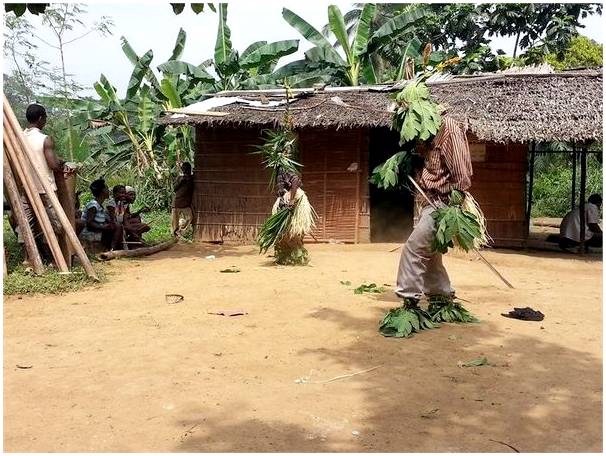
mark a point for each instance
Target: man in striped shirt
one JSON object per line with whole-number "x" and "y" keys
{"x": 447, "y": 167}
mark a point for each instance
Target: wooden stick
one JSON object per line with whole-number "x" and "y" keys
{"x": 31, "y": 192}
{"x": 66, "y": 193}
{"x": 492, "y": 268}
{"x": 106, "y": 256}
{"x": 71, "y": 234}
{"x": 12, "y": 192}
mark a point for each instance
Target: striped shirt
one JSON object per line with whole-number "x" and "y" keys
{"x": 448, "y": 163}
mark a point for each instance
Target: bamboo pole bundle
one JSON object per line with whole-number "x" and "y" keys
{"x": 12, "y": 192}
{"x": 19, "y": 164}
{"x": 106, "y": 256}
{"x": 71, "y": 234}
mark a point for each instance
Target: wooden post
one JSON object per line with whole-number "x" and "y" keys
{"x": 73, "y": 238}
{"x": 17, "y": 160}
{"x": 66, "y": 193}
{"x": 573, "y": 196}
{"x": 531, "y": 181}
{"x": 582, "y": 215}
{"x": 12, "y": 192}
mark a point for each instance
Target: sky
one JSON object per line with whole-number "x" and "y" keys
{"x": 152, "y": 25}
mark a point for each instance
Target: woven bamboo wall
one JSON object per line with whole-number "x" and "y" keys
{"x": 231, "y": 198}
{"x": 339, "y": 195}
{"x": 499, "y": 185}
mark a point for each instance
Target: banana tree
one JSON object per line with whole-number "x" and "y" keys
{"x": 251, "y": 69}
{"x": 357, "y": 46}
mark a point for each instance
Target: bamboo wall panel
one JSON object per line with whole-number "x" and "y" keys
{"x": 231, "y": 196}
{"x": 333, "y": 185}
{"x": 232, "y": 199}
{"x": 499, "y": 185}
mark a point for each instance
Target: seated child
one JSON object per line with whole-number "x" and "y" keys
{"x": 133, "y": 226}
{"x": 97, "y": 224}
{"x": 117, "y": 206}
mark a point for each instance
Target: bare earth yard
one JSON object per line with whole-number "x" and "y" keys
{"x": 117, "y": 368}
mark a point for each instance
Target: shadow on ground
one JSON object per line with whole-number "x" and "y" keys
{"x": 437, "y": 406}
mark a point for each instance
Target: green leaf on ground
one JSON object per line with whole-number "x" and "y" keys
{"x": 370, "y": 288}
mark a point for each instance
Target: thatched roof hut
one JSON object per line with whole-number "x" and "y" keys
{"x": 345, "y": 132}
{"x": 517, "y": 108}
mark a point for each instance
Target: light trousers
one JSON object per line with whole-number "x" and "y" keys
{"x": 421, "y": 271}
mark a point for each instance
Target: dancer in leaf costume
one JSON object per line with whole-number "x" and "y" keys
{"x": 447, "y": 168}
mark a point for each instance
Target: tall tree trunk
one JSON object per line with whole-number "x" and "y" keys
{"x": 515, "y": 47}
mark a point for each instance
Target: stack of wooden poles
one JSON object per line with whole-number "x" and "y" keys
{"x": 18, "y": 180}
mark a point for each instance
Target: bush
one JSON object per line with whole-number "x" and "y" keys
{"x": 553, "y": 184}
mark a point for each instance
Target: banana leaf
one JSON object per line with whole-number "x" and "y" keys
{"x": 223, "y": 46}
{"x": 179, "y": 44}
{"x": 268, "y": 52}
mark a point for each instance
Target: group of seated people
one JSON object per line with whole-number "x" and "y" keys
{"x": 110, "y": 220}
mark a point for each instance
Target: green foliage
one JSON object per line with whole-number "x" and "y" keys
{"x": 446, "y": 309}
{"x": 358, "y": 42}
{"x": 20, "y": 8}
{"x": 298, "y": 256}
{"x": 277, "y": 152}
{"x": 582, "y": 52}
{"x": 387, "y": 174}
{"x": 454, "y": 226}
{"x": 160, "y": 223}
{"x": 405, "y": 321}
{"x": 416, "y": 117}
{"x": 21, "y": 280}
{"x": 197, "y": 8}
{"x": 273, "y": 229}
{"x": 369, "y": 288}
{"x": 552, "y": 186}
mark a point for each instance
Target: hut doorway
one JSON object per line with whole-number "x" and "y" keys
{"x": 391, "y": 211}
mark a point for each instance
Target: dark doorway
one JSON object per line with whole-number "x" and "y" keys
{"x": 391, "y": 211}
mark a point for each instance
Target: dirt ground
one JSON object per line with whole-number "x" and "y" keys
{"x": 117, "y": 368}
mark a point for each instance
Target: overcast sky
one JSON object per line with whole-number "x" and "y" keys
{"x": 154, "y": 26}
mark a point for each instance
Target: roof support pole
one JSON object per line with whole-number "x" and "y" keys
{"x": 573, "y": 194}
{"x": 530, "y": 180}
{"x": 582, "y": 215}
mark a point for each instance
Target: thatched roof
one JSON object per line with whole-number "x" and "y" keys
{"x": 501, "y": 107}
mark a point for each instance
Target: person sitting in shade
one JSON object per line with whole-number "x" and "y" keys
{"x": 97, "y": 225}
{"x": 133, "y": 225}
{"x": 570, "y": 228}
{"x": 117, "y": 207}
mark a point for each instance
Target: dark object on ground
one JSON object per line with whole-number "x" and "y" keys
{"x": 525, "y": 313}
{"x": 138, "y": 252}
{"x": 229, "y": 313}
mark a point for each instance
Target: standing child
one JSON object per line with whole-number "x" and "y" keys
{"x": 181, "y": 207}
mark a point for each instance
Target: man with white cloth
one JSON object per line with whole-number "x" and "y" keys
{"x": 570, "y": 228}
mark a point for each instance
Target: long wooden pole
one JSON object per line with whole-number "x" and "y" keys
{"x": 66, "y": 193}
{"x": 67, "y": 226}
{"x": 484, "y": 260}
{"x": 31, "y": 192}
{"x": 137, "y": 252}
{"x": 12, "y": 192}
{"x": 582, "y": 205}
